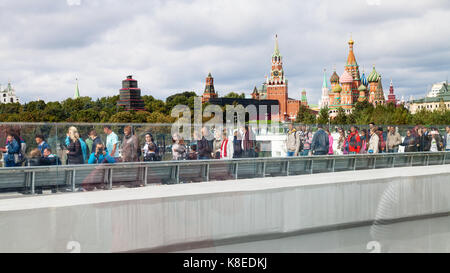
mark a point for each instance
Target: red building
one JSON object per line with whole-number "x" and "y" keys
{"x": 209, "y": 92}
{"x": 391, "y": 96}
{"x": 276, "y": 88}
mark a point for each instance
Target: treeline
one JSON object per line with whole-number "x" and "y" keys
{"x": 104, "y": 109}
{"x": 364, "y": 113}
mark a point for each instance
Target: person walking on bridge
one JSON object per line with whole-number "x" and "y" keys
{"x": 320, "y": 144}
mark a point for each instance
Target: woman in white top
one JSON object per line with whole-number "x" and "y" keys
{"x": 226, "y": 147}
{"x": 373, "y": 143}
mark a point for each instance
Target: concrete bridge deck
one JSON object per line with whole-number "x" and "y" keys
{"x": 165, "y": 217}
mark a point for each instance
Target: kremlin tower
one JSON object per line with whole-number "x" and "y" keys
{"x": 277, "y": 84}
{"x": 391, "y": 96}
{"x": 209, "y": 92}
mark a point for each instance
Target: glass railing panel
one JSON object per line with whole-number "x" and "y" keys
{"x": 343, "y": 163}
{"x": 322, "y": 165}
{"x": 383, "y": 161}
{"x": 14, "y": 182}
{"x": 447, "y": 158}
{"x": 277, "y": 168}
{"x": 158, "y": 174}
{"x": 435, "y": 159}
{"x": 221, "y": 170}
{"x": 193, "y": 173}
{"x": 419, "y": 159}
{"x": 249, "y": 170}
{"x": 401, "y": 160}
{"x": 299, "y": 166}
{"x": 364, "y": 163}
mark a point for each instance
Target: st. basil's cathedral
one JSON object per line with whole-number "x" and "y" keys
{"x": 349, "y": 88}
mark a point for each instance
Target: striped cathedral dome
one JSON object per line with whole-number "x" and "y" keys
{"x": 334, "y": 78}
{"x": 346, "y": 77}
{"x": 374, "y": 76}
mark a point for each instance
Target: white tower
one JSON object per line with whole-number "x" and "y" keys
{"x": 325, "y": 101}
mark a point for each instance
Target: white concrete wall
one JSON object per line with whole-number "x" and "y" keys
{"x": 155, "y": 216}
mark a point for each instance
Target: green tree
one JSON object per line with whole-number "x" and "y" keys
{"x": 234, "y": 95}
{"x": 341, "y": 117}
{"x": 304, "y": 115}
{"x": 323, "y": 117}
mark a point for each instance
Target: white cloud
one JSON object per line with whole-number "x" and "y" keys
{"x": 170, "y": 46}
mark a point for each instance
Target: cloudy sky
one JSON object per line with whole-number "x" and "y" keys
{"x": 170, "y": 46}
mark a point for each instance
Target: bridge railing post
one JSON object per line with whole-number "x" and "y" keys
{"x": 33, "y": 181}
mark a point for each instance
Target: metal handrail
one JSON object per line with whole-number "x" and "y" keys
{"x": 31, "y": 171}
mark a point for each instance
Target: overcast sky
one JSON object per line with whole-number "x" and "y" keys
{"x": 170, "y": 46}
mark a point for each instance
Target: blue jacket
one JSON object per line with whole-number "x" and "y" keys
{"x": 83, "y": 147}
{"x": 12, "y": 148}
{"x": 101, "y": 158}
{"x": 42, "y": 147}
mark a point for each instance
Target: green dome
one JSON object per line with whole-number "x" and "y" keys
{"x": 374, "y": 76}
{"x": 362, "y": 87}
{"x": 337, "y": 88}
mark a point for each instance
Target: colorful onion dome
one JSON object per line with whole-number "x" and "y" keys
{"x": 362, "y": 87}
{"x": 346, "y": 77}
{"x": 374, "y": 76}
{"x": 364, "y": 80}
{"x": 334, "y": 78}
{"x": 337, "y": 88}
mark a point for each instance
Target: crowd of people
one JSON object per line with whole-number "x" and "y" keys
{"x": 301, "y": 141}
{"x": 220, "y": 144}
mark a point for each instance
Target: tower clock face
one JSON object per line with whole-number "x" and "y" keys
{"x": 275, "y": 73}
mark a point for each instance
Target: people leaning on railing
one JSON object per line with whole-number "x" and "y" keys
{"x": 76, "y": 147}
{"x": 178, "y": 148}
{"x": 130, "y": 146}
{"x": 12, "y": 152}
{"x": 100, "y": 155}
{"x": 447, "y": 138}
{"x": 50, "y": 158}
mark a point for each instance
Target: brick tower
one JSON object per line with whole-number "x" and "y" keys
{"x": 391, "y": 96}
{"x": 277, "y": 84}
{"x": 209, "y": 92}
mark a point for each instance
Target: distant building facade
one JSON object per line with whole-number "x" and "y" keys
{"x": 130, "y": 95}
{"x": 211, "y": 96}
{"x": 8, "y": 95}
{"x": 440, "y": 101}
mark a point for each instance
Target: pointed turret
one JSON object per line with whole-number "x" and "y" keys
{"x": 276, "y": 52}
{"x": 77, "y": 91}
{"x": 379, "y": 94}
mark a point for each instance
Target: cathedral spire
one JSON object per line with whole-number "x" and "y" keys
{"x": 351, "y": 60}
{"x": 77, "y": 91}
{"x": 325, "y": 83}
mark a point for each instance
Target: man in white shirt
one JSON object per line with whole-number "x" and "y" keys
{"x": 112, "y": 141}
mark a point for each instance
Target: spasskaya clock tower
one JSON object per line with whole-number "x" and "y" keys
{"x": 277, "y": 84}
